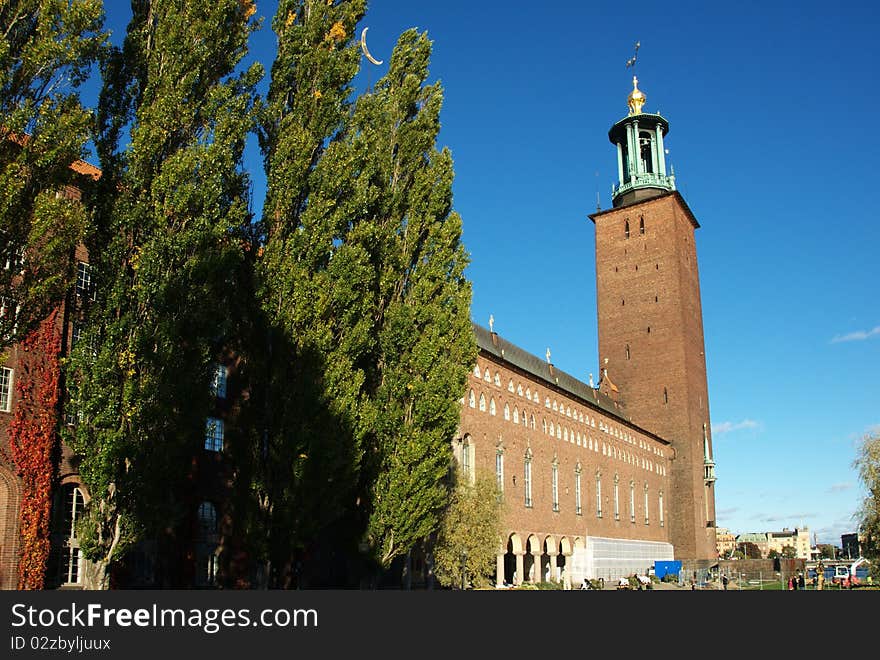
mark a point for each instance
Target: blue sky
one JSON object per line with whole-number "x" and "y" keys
{"x": 771, "y": 138}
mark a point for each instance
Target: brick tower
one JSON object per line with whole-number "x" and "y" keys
{"x": 651, "y": 322}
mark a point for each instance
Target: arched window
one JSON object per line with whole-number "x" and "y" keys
{"x": 515, "y": 415}
{"x": 487, "y": 376}
{"x": 492, "y": 406}
{"x": 477, "y": 370}
{"x": 547, "y": 402}
{"x": 642, "y": 226}
{"x": 68, "y": 508}
{"x": 598, "y": 494}
{"x": 472, "y": 399}
{"x": 519, "y": 390}
{"x": 532, "y": 422}
{"x": 555, "y": 408}
{"x": 552, "y": 429}
{"x": 577, "y": 489}
{"x": 466, "y": 449}
{"x": 565, "y": 435}
{"x": 499, "y": 469}
{"x": 632, "y": 501}
{"x": 529, "y": 394}
{"x": 559, "y": 431}
{"x": 506, "y": 412}
{"x": 543, "y": 425}
{"x": 660, "y": 508}
{"x": 616, "y": 498}
{"x": 627, "y": 351}
{"x": 568, "y": 412}
{"x": 482, "y": 403}
{"x": 665, "y": 396}
{"x": 510, "y": 385}
{"x": 536, "y": 398}
{"x": 626, "y": 228}
{"x": 497, "y": 379}
{"x": 647, "y": 517}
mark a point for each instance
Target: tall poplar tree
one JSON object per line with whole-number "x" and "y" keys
{"x": 170, "y": 243}
{"x": 381, "y": 288}
{"x": 310, "y": 450}
{"x": 408, "y": 238}
{"x": 46, "y": 50}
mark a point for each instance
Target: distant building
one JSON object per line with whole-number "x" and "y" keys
{"x": 851, "y": 546}
{"x": 725, "y": 541}
{"x": 799, "y": 539}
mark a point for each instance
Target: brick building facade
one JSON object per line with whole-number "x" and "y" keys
{"x": 636, "y": 450}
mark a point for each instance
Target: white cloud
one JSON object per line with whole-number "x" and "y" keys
{"x": 838, "y": 488}
{"x": 727, "y": 427}
{"x": 858, "y": 335}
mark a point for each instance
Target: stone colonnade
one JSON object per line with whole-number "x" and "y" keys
{"x": 542, "y": 557}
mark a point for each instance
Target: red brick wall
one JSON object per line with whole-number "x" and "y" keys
{"x": 489, "y": 432}
{"x": 648, "y": 296}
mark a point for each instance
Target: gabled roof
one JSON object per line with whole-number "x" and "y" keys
{"x": 504, "y": 351}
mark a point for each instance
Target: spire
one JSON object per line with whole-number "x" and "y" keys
{"x": 641, "y": 155}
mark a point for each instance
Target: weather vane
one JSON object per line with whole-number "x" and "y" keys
{"x": 631, "y": 62}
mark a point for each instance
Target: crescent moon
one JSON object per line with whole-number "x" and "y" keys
{"x": 364, "y": 48}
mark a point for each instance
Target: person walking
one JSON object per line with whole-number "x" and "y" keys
{"x": 724, "y": 582}
{"x": 801, "y": 581}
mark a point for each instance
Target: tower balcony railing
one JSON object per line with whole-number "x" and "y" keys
{"x": 645, "y": 180}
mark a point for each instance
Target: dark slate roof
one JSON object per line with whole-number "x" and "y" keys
{"x": 515, "y": 356}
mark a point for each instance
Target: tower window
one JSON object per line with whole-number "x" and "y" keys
{"x": 649, "y": 329}
{"x": 665, "y": 395}
{"x": 627, "y": 351}
{"x": 626, "y": 228}
{"x": 642, "y": 226}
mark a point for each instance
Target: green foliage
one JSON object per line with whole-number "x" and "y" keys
{"x": 47, "y": 49}
{"x": 313, "y": 324}
{"x": 867, "y": 463}
{"x": 169, "y": 244}
{"x": 362, "y": 287}
{"x": 408, "y": 241}
{"x": 749, "y": 549}
{"x": 470, "y": 533}
{"x": 671, "y": 577}
{"x": 788, "y": 552}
